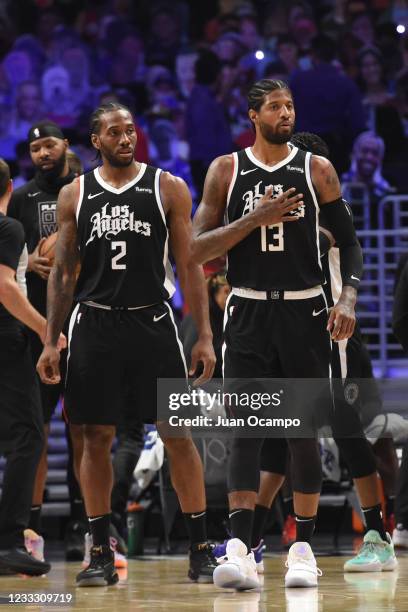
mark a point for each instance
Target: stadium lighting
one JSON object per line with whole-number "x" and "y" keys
{"x": 259, "y": 55}
{"x": 400, "y": 28}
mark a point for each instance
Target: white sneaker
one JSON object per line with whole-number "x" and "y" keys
{"x": 302, "y": 568}
{"x": 120, "y": 560}
{"x": 400, "y": 536}
{"x": 239, "y": 570}
{"x": 34, "y": 544}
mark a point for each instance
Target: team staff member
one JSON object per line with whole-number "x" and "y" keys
{"x": 21, "y": 432}
{"x": 277, "y": 323}
{"x": 34, "y": 205}
{"x": 124, "y": 216}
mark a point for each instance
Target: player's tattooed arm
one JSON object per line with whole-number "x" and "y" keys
{"x": 325, "y": 180}
{"x": 177, "y": 202}
{"x": 61, "y": 282}
{"x": 213, "y": 239}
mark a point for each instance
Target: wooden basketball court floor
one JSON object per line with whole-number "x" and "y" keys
{"x": 161, "y": 583}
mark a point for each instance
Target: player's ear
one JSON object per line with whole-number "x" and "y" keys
{"x": 253, "y": 115}
{"x": 10, "y": 187}
{"x": 95, "y": 141}
{"x": 66, "y": 143}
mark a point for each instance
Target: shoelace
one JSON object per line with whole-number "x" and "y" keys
{"x": 369, "y": 547}
{"x": 318, "y": 570}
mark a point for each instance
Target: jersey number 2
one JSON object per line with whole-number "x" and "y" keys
{"x": 121, "y": 245}
{"x": 276, "y": 243}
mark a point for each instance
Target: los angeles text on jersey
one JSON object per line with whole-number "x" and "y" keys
{"x": 108, "y": 223}
{"x": 252, "y": 197}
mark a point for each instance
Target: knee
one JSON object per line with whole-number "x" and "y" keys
{"x": 98, "y": 437}
{"x": 179, "y": 446}
{"x": 359, "y": 456}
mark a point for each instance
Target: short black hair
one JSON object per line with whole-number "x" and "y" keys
{"x": 207, "y": 68}
{"x": 4, "y": 177}
{"x": 324, "y": 48}
{"x": 260, "y": 89}
{"x": 109, "y": 107}
{"x": 307, "y": 141}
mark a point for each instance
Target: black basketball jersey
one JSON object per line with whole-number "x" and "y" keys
{"x": 284, "y": 256}
{"x": 123, "y": 241}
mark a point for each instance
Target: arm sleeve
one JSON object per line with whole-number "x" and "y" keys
{"x": 11, "y": 243}
{"x": 337, "y": 217}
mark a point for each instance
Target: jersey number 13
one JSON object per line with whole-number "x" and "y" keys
{"x": 272, "y": 238}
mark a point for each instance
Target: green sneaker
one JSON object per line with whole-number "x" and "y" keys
{"x": 375, "y": 555}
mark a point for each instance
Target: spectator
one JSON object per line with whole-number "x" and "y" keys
{"x": 25, "y": 165}
{"x": 128, "y": 64}
{"x": 165, "y": 37}
{"x": 379, "y": 101}
{"x": 28, "y": 109}
{"x": 288, "y": 53}
{"x": 366, "y": 168}
{"x": 328, "y": 103}
{"x": 208, "y": 132}
{"x": 362, "y": 28}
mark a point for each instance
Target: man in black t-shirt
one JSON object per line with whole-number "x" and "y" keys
{"x": 21, "y": 432}
{"x": 34, "y": 205}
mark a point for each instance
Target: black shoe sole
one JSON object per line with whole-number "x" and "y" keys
{"x": 17, "y": 568}
{"x": 98, "y": 581}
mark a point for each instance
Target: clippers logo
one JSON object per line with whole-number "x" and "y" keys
{"x": 252, "y": 197}
{"x": 47, "y": 218}
{"x": 106, "y": 224}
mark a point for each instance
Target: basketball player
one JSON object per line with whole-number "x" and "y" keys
{"x": 348, "y": 357}
{"x": 34, "y": 205}
{"x": 21, "y": 431}
{"x": 277, "y": 323}
{"x": 120, "y": 220}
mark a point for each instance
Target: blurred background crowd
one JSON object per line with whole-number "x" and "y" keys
{"x": 185, "y": 74}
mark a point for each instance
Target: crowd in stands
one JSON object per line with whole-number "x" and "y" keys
{"x": 185, "y": 70}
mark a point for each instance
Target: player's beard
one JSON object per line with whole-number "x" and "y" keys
{"x": 273, "y": 137}
{"x": 116, "y": 162}
{"x": 55, "y": 172}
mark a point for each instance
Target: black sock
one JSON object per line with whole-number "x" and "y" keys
{"x": 304, "y": 528}
{"x": 389, "y": 505}
{"x": 241, "y": 521}
{"x": 35, "y": 519}
{"x": 260, "y": 517}
{"x": 373, "y": 520}
{"x": 196, "y": 523}
{"x": 99, "y": 526}
{"x": 78, "y": 510}
{"x": 287, "y": 506}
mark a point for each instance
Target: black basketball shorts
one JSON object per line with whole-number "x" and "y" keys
{"x": 282, "y": 338}
{"x": 50, "y": 394}
{"x": 115, "y": 355}
{"x": 357, "y": 400}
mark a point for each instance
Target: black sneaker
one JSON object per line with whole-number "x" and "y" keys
{"x": 202, "y": 563}
{"x": 101, "y": 570}
{"x": 74, "y": 541}
{"x": 19, "y": 561}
